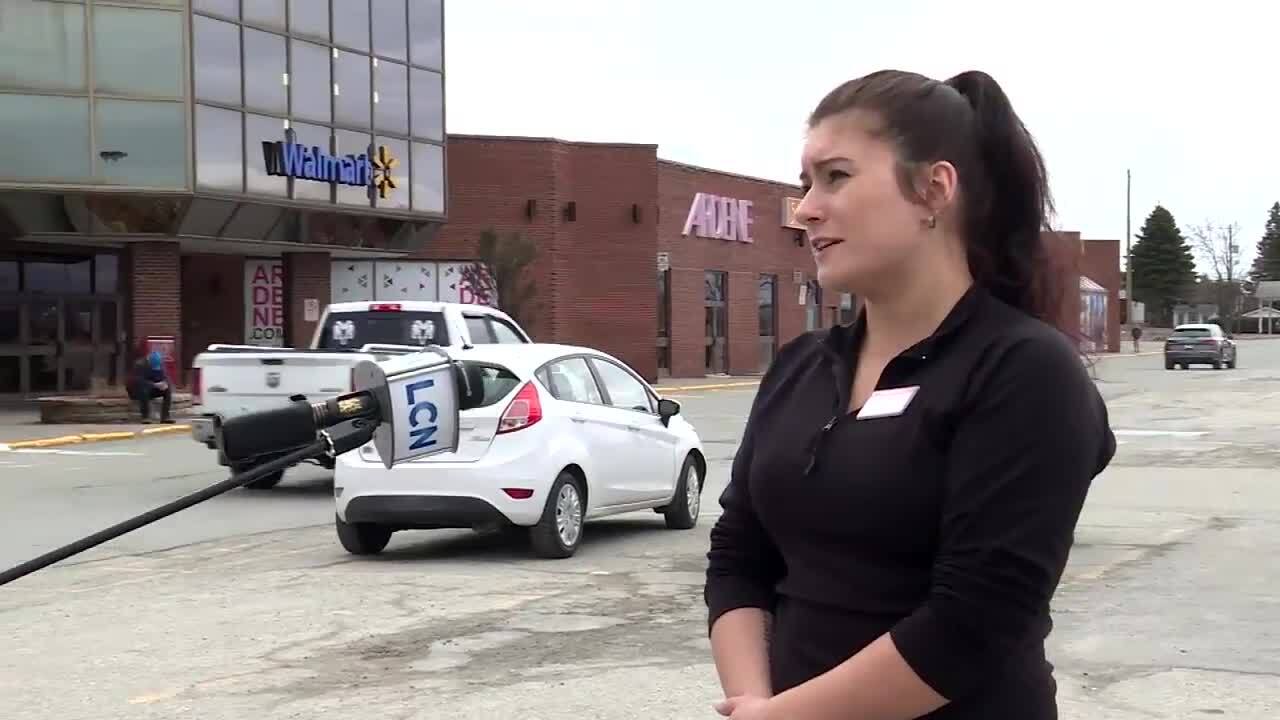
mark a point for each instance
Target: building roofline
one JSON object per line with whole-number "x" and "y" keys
{"x": 737, "y": 176}
{"x": 549, "y": 140}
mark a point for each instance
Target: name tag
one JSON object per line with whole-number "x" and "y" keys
{"x": 887, "y": 403}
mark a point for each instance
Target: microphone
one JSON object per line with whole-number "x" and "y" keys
{"x": 411, "y": 402}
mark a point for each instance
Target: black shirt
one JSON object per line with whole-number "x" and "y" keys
{"x": 947, "y": 525}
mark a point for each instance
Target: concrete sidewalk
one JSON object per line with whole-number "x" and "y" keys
{"x": 21, "y": 428}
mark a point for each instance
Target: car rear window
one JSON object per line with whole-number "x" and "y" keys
{"x": 489, "y": 383}
{"x": 1188, "y": 333}
{"x": 353, "y": 330}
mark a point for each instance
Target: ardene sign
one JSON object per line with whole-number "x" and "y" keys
{"x": 719, "y": 218}
{"x": 292, "y": 159}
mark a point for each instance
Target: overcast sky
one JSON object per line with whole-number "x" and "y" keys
{"x": 1185, "y": 97}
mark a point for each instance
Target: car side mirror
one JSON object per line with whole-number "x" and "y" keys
{"x": 667, "y": 409}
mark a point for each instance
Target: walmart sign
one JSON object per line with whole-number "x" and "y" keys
{"x": 287, "y": 158}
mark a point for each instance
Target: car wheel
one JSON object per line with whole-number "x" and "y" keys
{"x": 362, "y": 538}
{"x": 559, "y": 530}
{"x": 682, "y": 513}
{"x": 1217, "y": 364}
{"x": 1168, "y": 365}
{"x": 266, "y": 482}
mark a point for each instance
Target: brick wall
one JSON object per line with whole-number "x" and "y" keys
{"x": 306, "y": 276}
{"x": 212, "y": 302}
{"x": 1100, "y": 262}
{"x": 154, "y": 307}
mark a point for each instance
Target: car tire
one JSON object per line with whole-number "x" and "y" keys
{"x": 362, "y": 538}
{"x": 1231, "y": 365}
{"x": 558, "y": 532}
{"x": 1217, "y": 364}
{"x": 1168, "y": 365}
{"x": 682, "y": 513}
{"x": 266, "y": 482}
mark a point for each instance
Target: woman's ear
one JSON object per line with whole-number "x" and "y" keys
{"x": 941, "y": 183}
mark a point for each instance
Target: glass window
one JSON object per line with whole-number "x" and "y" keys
{"x": 352, "y": 143}
{"x": 428, "y": 178}
{"x": 137, "y": 52}
{"x": 495, "y": 382}
{"x": 8, "y": 283}
{"x": 312, "y": 136}
{"x": 765, "y": 301}
{"x": 106, "y": 274}
{"x": 69, "y": 274}
{"x": 219, "y": 149}
{"x": 352, "y": 101}
{"x": 141, "y": 143}
{"x": 426, "y": 23}
{"x": 571, "y": 380}
{"x": 42, "y": 45}
{"x": 391, "y": 176}
{"x": 504, "y": 332}
{"x": 227, "y": 8}
{"x": 390, "y": 29}
{"x": 308, "y": 17}
{"x": 478, "y": 329}
{"x": 44, "y": 137}
{"x": 427, "y": 96}
{"x": 309, "y": 87}
{"x": 624, "y": 390}
{"x": 715, "y": 282}
{"x": 269, "y": 13}
{"x": 265, "y": 85}
{"x": 391, "y": 97}
{"x": 351, "y": 24}
{"x": 217, "y": 60}
{"x": 257, "y": 130}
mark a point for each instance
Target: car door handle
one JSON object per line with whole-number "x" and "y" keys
{"x": 580, "y": 420}
{"x": 633, "y": 428}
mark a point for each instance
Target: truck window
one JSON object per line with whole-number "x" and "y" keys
{"x": 352, "y": 330}
{"x": 504, "y": 331}
{"x": 486, "y": 330}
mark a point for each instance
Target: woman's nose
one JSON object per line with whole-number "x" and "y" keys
{"x": 808, "y": 212}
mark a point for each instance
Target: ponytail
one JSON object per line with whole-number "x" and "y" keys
{"x": 1004, "y": 190}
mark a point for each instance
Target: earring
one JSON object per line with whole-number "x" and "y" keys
{"x": 932, "y": 222}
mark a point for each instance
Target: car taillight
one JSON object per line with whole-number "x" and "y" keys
{"x": 384, "y": 307}
{"x": 197, "y": 392}
{"x": 525, "y": 410}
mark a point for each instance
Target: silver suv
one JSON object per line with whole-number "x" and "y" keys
{"x": 1201, "y": 344}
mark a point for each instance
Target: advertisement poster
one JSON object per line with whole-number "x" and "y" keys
{"x": 264, "y": 303}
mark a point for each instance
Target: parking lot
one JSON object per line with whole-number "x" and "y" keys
{"x": 246, "y": 606}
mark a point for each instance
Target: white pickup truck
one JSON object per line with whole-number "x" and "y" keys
{"x": 231, "y": 380}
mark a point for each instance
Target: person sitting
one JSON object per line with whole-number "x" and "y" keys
{"x": 150, "y": 382}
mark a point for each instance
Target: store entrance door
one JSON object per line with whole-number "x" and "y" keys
{"x": 717, "y": 322}
{"x": 813, "y": 306}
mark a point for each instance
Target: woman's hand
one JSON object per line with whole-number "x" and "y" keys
{"x": 745, "y": 707}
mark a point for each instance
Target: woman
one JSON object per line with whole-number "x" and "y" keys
{"x": 903, "y": 502}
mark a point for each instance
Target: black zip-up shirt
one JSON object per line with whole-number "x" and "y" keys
{"x": 947, "y": 525}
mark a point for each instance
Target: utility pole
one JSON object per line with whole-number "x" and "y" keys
{"x": 1128, "y": 250}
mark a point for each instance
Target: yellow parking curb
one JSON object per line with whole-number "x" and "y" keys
{"x": 715, "y": 386}
{"x": 95, "y": 437}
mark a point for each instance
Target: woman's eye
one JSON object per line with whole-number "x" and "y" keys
{"x": 835, "y": 175}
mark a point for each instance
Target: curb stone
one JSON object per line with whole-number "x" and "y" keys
{"x": 94, "y": 437}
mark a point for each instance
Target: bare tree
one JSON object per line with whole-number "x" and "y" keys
{"x": 1218, "y": 246}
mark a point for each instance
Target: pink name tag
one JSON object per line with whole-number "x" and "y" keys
{"x": 887, "y": 403}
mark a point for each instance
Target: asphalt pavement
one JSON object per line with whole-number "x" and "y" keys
{"x": 246, "y": 606}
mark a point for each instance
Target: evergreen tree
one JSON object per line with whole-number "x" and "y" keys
{"x": 1266, "y": 264}
{"x": 1164, "y": 270}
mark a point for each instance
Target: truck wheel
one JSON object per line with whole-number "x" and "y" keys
{"x": 266, "y": 482}
{"x": 362, "y": 538}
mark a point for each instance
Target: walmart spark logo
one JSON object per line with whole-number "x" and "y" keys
{"x": 383, "y": 165}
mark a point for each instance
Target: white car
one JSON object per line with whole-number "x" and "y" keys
{"x": 562, "y": 435}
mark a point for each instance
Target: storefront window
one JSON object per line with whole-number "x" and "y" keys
{"x": 352, "y": 143}
{"x": 217, "y": 60}
{"x": 309, "y": 88}
{"x": 391, "y": 97}
{"x": 42, "y": 45}
{"x": 351, "y": 24}
{"x": 396, "y": 197}
{"x": 312, "y": 136}
{"x": 426, "y": 21}
{"x": 141, "y": 143}
{"x": 390, "y": 32}
{"x": 106, "y": 274}
{"x": 226, "y": 8}
{"x": 137, "y": 51}
{"x": 265, "y": 87}
{"x": 268, "y": 13}
{"x": 219, "y": 149}
{"x": 427, "y": 96}
{"x": 44, "y": 137}
{"x": 257, "y": 129}
{"x": 57, "y": 275}
{"x": 308, "y": 17}
{"x": 428, "y": 178}
{"x": 352, "y": 103}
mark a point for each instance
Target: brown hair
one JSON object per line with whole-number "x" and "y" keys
{"x": 1004, "y": 196}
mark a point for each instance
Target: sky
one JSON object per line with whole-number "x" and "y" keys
{"x": 1183, "y": 97}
